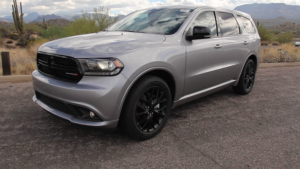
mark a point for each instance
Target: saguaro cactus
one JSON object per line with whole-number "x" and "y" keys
{"x": 18, "y": 19}
{"x": 44, "y": 26}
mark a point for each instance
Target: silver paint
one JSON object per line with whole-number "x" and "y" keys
{"x": 198, "y": 67}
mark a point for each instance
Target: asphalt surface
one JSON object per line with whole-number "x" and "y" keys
{"x": 223, "y": 130}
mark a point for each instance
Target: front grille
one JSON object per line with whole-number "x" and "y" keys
{"x": 61, "y": 67}
{"x": 76, "y": 111}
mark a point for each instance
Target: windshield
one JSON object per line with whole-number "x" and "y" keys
{"x": 158, "y": 21}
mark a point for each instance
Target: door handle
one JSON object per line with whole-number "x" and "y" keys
{"x": 246, "y": 43}
{"x": 218, "y": 46}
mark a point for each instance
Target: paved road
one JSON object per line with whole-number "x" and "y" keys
{"x": 223, "y": 130}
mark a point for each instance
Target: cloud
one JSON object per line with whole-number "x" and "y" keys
{"x": 66, "y": 7}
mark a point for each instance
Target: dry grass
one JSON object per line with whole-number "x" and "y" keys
{"x": 23, "y": 61}
{"x": 284, "y": 53}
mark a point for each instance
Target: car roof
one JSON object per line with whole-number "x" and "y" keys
{"x": 199, "y": 7}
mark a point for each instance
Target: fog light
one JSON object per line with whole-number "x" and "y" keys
{"x": 92, "y": 114}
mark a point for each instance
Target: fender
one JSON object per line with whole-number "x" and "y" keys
{"x": 137, "y": 78}
{"x": 257, "y": 64}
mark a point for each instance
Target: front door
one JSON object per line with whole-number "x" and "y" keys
{"x": 204, "y": 63}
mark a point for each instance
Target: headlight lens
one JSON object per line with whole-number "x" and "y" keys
{"x": 101, "y": 67}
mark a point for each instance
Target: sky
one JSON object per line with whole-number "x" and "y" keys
{"x": 68, "y": 7}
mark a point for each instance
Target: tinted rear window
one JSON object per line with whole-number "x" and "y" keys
{"x": 247, "y": 24}
{"x": 228, "y": 24}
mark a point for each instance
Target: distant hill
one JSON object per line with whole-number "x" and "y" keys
{"x": 58, "y": 22}
{"x": 270, "y": 11}
{"x": 31, "y": 16}
{"x": 268, "y": 23}
{"x": 47, "y": 18}
{"x": 6, "y": 25}
{"x": 292, "y": 27}
{"x": 5, "y": 20}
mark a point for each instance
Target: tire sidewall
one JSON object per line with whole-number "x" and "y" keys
{"x": 244, "y": 73}
{"x": 134, "y": 97}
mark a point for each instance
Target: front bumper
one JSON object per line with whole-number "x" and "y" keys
{"x": 102, "y": 95}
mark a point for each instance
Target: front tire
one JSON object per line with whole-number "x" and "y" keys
{"x": 247, "y": 79}
{"x": 147, "y": 108}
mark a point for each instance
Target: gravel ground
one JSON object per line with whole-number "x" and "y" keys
{"x": 223, "y": 130}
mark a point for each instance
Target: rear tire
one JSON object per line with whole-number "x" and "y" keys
{"x": 147, "y": 108}
{"x": 247, "y": 79}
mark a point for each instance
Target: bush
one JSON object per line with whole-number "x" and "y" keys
{"x": 285, "y": 38}
{"x": 264, "y": 33}
{"x": 88, "y": 23}
{"x": 32, "y": 28}
{"x": 286, "y": 53}
{"x": 13, "y": 36}
{"x": 5, "y": 33}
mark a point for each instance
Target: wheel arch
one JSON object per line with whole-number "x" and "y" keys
{"x": 254, "y": 58}
{"x": 162, "y": 72}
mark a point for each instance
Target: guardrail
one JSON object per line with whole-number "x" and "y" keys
{"x": 6, "y": 69}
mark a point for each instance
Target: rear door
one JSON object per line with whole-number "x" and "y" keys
{"x": 235, "y": 45}
{"x": 204, "y": 56}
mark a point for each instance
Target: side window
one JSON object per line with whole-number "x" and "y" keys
{"x": 247, "y": 24}
{"x": 207, "y": 19}
{"x": 228, "y": 24}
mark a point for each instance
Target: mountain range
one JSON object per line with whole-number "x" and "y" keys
{"x": 271, "y": 11}
{"x": 36, "y": 17}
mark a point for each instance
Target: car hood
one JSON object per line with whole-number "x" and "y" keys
{"x": 101, "y": 45}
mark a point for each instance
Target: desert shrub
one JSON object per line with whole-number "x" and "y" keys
{"x": 5, "y": 32}
{"x": 264, "y": 43}
{"x": 32, "y": 28}
{"x": 13, "y": 36}
{"x": 38, "y": 41}
{"x": 285, "y": 37}
{"x": 286, "y": 53}
{"x": 88, "y": 23}
{"x": 275, "y": 32}
{"x": 23, "y": 60}
{"x": 264, "y": 33}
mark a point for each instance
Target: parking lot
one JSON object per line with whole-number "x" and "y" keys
{"x": 223, "y": 130}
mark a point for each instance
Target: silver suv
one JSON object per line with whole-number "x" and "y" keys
{"x": 133, "y": 73}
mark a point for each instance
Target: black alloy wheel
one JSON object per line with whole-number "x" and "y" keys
{"x": 151, "y": 109}
{"x": 147, "y": 108}
{"x": 247, "y": 79}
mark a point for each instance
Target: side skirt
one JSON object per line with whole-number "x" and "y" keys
{"x": 202, "y": 93}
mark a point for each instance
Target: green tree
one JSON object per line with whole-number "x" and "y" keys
{"x": 286, "y": 37}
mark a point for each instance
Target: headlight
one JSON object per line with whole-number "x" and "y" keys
{"x": 101, "y": 67}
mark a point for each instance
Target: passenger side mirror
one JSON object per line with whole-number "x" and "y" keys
{"x": 198, "y": 32}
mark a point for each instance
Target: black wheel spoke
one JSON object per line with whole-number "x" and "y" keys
{"x": 164, "y": 107}
{"x": 144, "y": 99}
{"x": 145, "y": 124}
{"x": 151, "y": 108}
{"x": 138, "y": 114}
{"x": 141, "y": 107}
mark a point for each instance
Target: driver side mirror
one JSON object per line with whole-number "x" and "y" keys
{"x": 198, "y": 32}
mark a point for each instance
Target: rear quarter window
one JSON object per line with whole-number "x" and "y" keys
{"x": 247, "y": 24}
{"x": 228, "y": 24}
